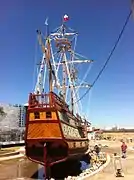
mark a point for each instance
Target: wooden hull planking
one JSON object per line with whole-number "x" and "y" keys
{"x": 51, "y": 137}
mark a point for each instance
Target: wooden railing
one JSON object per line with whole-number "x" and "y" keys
{"x": 46, "y": 100}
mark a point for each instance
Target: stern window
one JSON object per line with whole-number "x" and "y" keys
{"x": 37, "y": 115}
{"x": 48, "y": 114}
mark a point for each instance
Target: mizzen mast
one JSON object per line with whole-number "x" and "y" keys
{"x": 46, "y": 49}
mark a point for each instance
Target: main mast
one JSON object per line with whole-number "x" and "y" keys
{"x": 60, "y": 58}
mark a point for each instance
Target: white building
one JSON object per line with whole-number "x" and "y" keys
{"x": 10, "y": 120}
{"x": 91, "y": 133}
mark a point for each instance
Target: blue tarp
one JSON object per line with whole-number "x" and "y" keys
{"x": 84, "y": 165}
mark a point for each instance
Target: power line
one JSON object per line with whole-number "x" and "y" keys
{"x": 109, "y": 57}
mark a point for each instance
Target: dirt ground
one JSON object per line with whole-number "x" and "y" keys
{"x": 13, "y": 169}
{"x": 8, "y": 150}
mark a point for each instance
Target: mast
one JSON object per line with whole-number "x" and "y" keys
{"x": 48, "y": 56}
{"x": 64, "y": 77}
{"x": 46, "y": 59}
{"x": 60, "y": 58}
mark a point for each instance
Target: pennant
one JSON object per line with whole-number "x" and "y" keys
{"x": 46, "y": 21}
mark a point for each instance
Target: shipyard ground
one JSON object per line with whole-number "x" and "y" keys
{"x": 16, "y": 168}
{"x": 109, "y": 172}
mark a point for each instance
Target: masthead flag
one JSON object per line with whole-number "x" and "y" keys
{"x": 66, "y": 17}
{"x": 47, "y": 27}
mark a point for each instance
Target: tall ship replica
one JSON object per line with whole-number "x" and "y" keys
{"x": 55, "y": 131}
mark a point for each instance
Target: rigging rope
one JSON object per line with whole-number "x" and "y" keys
{"x": 109, "y": 57}
{"x": 35, "y": 65}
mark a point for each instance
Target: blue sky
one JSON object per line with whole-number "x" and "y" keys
{"x": 111, "y": 101}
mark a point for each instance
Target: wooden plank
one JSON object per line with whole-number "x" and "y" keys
{"x": 43, "y": 130}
